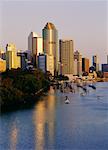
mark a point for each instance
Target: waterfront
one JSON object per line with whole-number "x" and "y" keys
{"x": 52, "y": 124}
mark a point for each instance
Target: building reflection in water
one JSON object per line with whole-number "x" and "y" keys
{"x": 13, "y": 137}
{"x": 44, "y": 121}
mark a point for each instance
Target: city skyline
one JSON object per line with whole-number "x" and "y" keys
{"x": 83, "y": 22}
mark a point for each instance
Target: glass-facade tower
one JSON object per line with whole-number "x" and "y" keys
{"x": 50, "y": 44}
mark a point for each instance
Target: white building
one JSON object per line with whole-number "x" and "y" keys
{"x": 35, "y": 44}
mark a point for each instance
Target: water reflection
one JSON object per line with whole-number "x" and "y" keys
{"x": 44, "y": 121}
{"x": 13, "y": 137}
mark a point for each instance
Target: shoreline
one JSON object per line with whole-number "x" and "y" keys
{"x": 27, "y": 102}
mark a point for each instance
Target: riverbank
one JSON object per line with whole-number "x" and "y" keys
{"x": 21, "y": 89}
{"x": 27, "y": 102}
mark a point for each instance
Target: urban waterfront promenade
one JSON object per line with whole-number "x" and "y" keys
{"x": 53, "y": 125}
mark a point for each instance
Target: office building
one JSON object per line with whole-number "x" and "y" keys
{"x": 2, "y": 65}
{"x": 35, "y": 44}
{"x": 50, "y": 45}
{"x": 75, "y": 67}
{"x": 50, "y": 64}
{"x": 12, "y": 60}
{"x": 23, "y": 59}
{"x": 42, "y": 62}
{"x": 78, "y": 57}
{"x": 104, "y": 67}
{"x": 85, "y": 65}
{"x": 66, "y": 56}
{"x": 96, "y": 62}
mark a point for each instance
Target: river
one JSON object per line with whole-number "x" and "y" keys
{"x": 53, "y": 125}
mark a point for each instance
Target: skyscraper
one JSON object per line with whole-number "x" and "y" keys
{"x": 96, "y": 62}
{"x": 85, "y": 65}
{"x": 35, "y": 44}
{"x": 50, "y": 45}
{"x": 12, "y": 60}
{"x": 66, "y": 56}
{"x": 78, "y": 57}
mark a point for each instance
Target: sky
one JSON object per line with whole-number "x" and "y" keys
{"x": 83, "y": 21}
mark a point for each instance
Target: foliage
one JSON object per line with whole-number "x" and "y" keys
{"x": 16, "y": 84}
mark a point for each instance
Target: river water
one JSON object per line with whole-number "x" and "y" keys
{"x": 53, "y": 125}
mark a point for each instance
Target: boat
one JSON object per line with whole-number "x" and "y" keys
{"x": 82, "y": 94}
{"x": 67, "y": 100}
{"x": 92, "y": 86}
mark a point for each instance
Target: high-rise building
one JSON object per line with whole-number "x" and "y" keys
{"x": 42, "y": 62}
{"x": 12, "y": 60}
{"x": 50, "y": 63}
{"x": 85, "y": 65}
{"x": 78, "y": 57}
{"x": 66, "y": 56}
{"x": 50, "y": 45}
{"x": 35, "y": 44}
{"x": 23, "y": 59}
{"x": 96, "y": 62}
{"x": 75, "y": 67}
{"x": 104, "y": 67}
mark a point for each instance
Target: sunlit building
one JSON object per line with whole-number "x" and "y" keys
{"x": 78, "y": 57}
{"x": 66, "y": 56}
{"x": 35, "y": 44}
{"x": 12, "y": 60}
{"x": 2, "y": 65}
{"x": 50, "y": 45}
{"x": 96, "y": 62}
{"x": 85, "y": 65}
{"x": 75, "y": 67}
{"x": 50, "y": 63}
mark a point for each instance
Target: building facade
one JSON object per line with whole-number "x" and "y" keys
{"x": 85, "y": 65}
{"x": 50, "y": 45}
{"x": 2, "y": 65}
{"x": 78, "y": 57}
{"x": 104, "y": 67}
{"x": 50, "y": 64}
{"x": 35, "y": 44}
{"x": 66, "y": 56}
{"x": 96, "y": 62}
{"x": 12, "y": 60}
{"x": 42, "y": 62}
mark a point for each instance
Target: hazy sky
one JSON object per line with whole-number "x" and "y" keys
{"x": 85, "y": 22}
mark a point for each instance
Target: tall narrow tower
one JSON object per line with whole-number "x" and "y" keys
{"x": 66, "y": 56}
{"x": 35, "y": 44}
{"x": 96, "y": 62}
{"x": 50, "y": 45}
